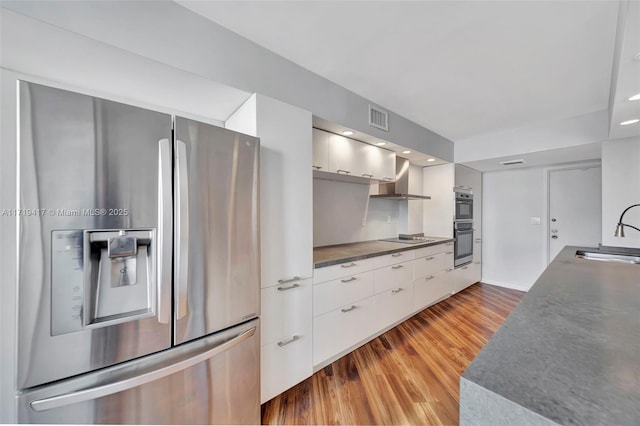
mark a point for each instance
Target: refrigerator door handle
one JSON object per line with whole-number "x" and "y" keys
{"x": 132, "y": 382}
{"x": 182, "y": 229}
{"x": 165, "y": 213}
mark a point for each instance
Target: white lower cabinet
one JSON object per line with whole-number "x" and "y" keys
{"x": 285, "y": 309}
{"x": 332, "y": 294}
{"x": 430, "y": 289}
{"x": 464, "y": 276}
{"x": 285, "y": 363}
{"x": 355, "y": 301}
{"x": 394, "y": 305}
{"x": 390, "y": 277}
{"x": 338, "y": 330}
{"x": 286, "y": 337}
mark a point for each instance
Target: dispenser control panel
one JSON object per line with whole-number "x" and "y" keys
{"x": 67, "y": 289}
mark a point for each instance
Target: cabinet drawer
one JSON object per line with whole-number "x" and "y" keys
{"x": 429, "y": 289}
{"x": 347, "y": 269}
{"x": 338, "y": 330}
{"x": 393, "y": 258}
{"x": 285, "y": 308}
{"x": 432, "y": 264}
{"x": 393, "y": 305}
{"x": 393, "y": 276}
{"x": 333, "y": 294}
{"x": 285, "y": 363}
{"x": 430, "y": 250}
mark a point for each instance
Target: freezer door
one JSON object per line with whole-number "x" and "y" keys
{"x": 215, "y": 380}
{"x": 95, "y": 230}
{"x": 217, "y": 264}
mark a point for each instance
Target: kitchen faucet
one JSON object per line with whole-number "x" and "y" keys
{"x": 620, "y": 227}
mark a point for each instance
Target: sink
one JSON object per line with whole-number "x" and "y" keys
{"x": 608, "y": 257}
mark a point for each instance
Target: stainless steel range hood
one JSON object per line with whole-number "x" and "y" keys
{"x": 399, "y": 190}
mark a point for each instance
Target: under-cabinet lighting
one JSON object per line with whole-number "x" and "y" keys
{"x": 381, "y": 143}
{"x": 406, "y": 152}
{"x": 431, "y": 159}
{"x": 626, "y": 123}
{"x": 635, "y": 97}
{"x": 347, "y": 133}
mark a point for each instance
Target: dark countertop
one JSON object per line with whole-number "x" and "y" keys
{"x": 570, "y": 351}
{"x": 332, "y": 255}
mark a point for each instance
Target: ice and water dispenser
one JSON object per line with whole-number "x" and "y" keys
{"x": 102, "y": 277}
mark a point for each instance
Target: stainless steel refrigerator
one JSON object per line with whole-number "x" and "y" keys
{"x": 139, "y": 292}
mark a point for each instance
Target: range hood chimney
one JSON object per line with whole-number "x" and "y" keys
{"x": 399, "y": 190}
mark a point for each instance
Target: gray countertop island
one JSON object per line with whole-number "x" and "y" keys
{"x": 569, "y": 353}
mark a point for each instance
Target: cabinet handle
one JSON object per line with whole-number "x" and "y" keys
{"x": 465, "y": 267}
{"x": 449, "y": 244}
{"x": 317, "y": 167}
{"x": 397, "y": 290}
{"x": 349, "y": 280}
{"x": 449, "y": 252}
{"x": 290, "y": 280}
{"x": 351, "y": 265}
{"x": 428, "y": 258}
{"x": 397, "y": 267}
{"x": 286, "y": 342}
{"x": 288, "y": 288}
{"x": 478, "y": 240}
{"x": 348, "y": 309}
{"x": 347, "y": 172}
{"x": 476, "y": 263}
{"x": 430, "y": 277}
{"x": 396, "y": 255}
{"x": 450, "y": 270}
{"x": 387, "y": 178}
{"x": 367, "y": 175}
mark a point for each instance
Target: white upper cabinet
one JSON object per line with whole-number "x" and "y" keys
{"x": 320, "y": 150}
{"x": 380, "y": 163}
{"x": 345, "y": 156}
{"x": 348, "y": 157}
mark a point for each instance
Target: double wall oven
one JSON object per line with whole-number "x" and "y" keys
{"x": 463, "y": 229}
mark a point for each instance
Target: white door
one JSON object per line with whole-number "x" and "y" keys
{"x": 575, "y": 208}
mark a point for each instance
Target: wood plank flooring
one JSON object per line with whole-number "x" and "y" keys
{"x": 409, "y": 375}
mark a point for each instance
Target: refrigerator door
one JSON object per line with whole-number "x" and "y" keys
{"x": 215, "y": 380}
{"x": 217, "y": 264}
{"x": 95, "y": 233}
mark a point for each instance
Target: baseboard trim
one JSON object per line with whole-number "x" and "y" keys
{"x": 506, "y": 285}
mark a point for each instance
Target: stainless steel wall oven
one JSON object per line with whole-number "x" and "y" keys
{"x": 464, "y": 206}
{"x": 463, "y": 246}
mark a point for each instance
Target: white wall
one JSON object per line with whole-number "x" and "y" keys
{"x": 340, "y": 209}
{"x": 438, "y": 183}
{"x": 620, "y": 189}
{"x": 513, "y": 250}
{"x": 410, "y": 220}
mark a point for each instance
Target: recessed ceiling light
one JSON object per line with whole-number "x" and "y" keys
{"x": 347, "y": 132}
{"x": 406, "y": 152}
{"x": 635, "y": 97}
{"x": 431, "y": 159}
{"x": 626, "y": 123}
{"x": 381, "y": 143}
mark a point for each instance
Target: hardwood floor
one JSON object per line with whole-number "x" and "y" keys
{"x": 409, "y": 375}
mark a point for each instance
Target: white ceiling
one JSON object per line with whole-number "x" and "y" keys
{"x": 461, "y": 69}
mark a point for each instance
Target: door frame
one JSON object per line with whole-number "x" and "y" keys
{"x": 547, "y": 197}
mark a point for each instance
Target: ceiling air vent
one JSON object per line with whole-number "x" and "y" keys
{"x": 512, "y": 162}
{"x": 378, "y": 118}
